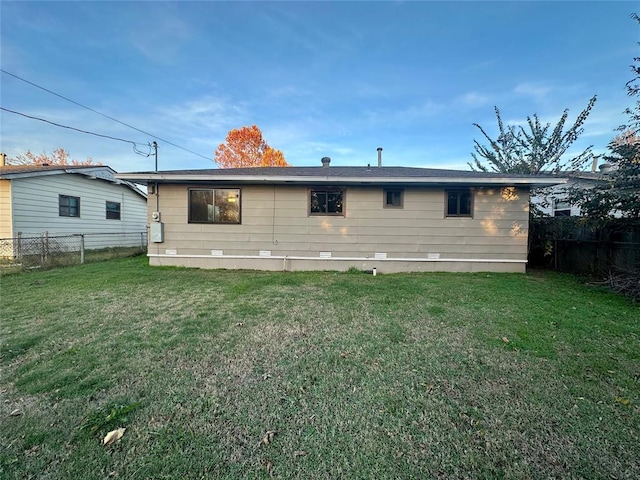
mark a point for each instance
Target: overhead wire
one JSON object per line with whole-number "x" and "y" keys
{"x": 135, "y": 144}
{"x": 100, "y": 113}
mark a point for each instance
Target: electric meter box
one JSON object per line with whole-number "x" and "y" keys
{"x": 156, "y": 231}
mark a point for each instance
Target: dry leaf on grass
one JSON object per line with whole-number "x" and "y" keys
{"x": 267, "y": 438}
{"x": 299, "y": 453}
{"x": 113, "y": 436}
{"x": 624, "y": 401}
{"x": 268, "y": 464}
{"x": 15, "y": 413}
{"x": 505, "y": 339}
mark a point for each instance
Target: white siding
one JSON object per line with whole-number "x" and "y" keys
{"x": 35, "y": 206}
{"x": 544, "y": 198}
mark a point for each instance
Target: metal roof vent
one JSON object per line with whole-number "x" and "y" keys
{"x": 379, "y": 157}
{"x": 325, "y": 162}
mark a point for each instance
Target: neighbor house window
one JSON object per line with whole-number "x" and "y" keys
{"x": 220, "y": 205}
{"x": 68, "y": 206}
{"x": 459, "y": 203}
{"x": 113, "y": 211}
{"x": 561, "y": 209}
{"x": 393, "y": 198}
{"x": 326, "y": 201}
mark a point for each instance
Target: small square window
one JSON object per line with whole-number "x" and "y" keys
{"x": 68, "y": 206}
{"x": 393, "y": 198}
{"x": 113, "y": 211}
{"x": 561, "y": 209}
{"x": 459, "y": 203}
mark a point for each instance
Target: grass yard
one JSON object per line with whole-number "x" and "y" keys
{"x": 227, "y": 374}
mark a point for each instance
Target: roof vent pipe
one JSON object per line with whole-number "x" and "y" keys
{"x": 325, "y": 162}
{"x": 379, "y": 157}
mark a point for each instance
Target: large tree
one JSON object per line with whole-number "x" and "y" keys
{"x": 245, "y": 147}
{"x": 533, "y": 149}
{"x": 619, "y": 193}
{"x": 59, "y": 156}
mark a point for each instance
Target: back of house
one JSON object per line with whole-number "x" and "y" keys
{"x": 394, "y": 219}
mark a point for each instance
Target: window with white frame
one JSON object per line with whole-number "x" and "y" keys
{"x": 561, "y": 208}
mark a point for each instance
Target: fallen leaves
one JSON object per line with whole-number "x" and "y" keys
{"x": 623, "y": 401}
{"x": 113, "y": 436}
{"x": 267, "y": 438}
{"x": 268, "y": 465}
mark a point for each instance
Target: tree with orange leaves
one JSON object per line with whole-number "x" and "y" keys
{"x": 245, "y": 147}
{"x": 58, "y": 157}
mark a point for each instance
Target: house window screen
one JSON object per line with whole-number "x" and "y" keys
{"x": 393, "y": 198}
{"x": 220, "y": 205}
{"x": 113, "y": 211}
{"x": 561, "y": 209}
{"x": 68, "y": 206}
{"x": 459, "y": 203}
{"x": 326, "y": 202}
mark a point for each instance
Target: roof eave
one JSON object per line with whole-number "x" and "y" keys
{"x": 144, "y": 179}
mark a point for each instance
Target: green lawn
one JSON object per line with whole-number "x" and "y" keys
{"x": 227, "y": 374}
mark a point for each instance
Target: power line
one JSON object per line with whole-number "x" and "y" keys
{"x": 76, "y": 129}
{"x": 100, "y": 113}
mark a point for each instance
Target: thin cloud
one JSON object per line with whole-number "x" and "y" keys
{"x": 207, "y": 112}
{"x": 473, "y": 99}
{"x": 162, "y": 36}
{"x": 537, "y": 90}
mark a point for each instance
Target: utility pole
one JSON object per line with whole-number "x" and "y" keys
{"x": 155, "y": 148}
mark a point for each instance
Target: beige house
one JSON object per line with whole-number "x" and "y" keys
{"x": 392, "y": 219}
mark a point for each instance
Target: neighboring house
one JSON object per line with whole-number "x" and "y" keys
{"x": 63, "y": 200}
{"x": 392, "y": 219}
{"x": 553, "y": 201}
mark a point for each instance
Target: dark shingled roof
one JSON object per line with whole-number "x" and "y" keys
{"x": 337, "y": 172}
{"x": 338, "y": 176}
{"x": 7, "y": 169}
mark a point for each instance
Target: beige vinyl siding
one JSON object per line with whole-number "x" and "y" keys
{"x": 35, "y": 206}
{"x": 498, "y": 229}
{"x": 6, "y": 215}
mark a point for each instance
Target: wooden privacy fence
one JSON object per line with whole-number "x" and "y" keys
{"x": 571, "y": 245}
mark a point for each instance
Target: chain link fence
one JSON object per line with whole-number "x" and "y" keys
{"x": 24, "y": 252}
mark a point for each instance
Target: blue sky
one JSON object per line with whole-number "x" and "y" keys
{"x": 335, "y": 79}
